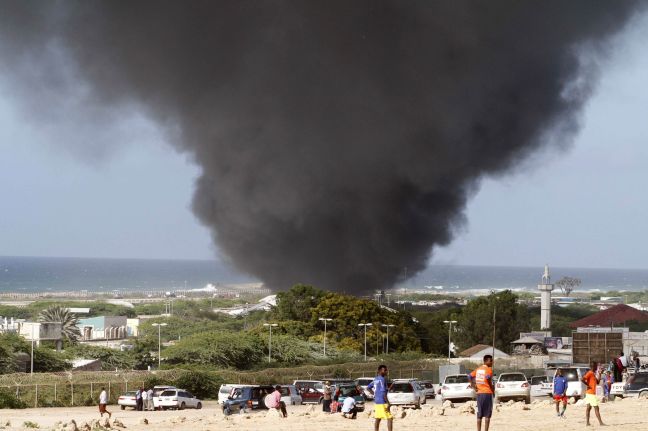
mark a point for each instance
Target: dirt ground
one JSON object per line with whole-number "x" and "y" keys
{"x": 538, "y": 416}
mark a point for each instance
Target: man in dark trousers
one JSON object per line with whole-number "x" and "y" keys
{"x": 482, "y": 382}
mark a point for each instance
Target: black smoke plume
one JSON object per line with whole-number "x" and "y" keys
{"x": 338, "y": 140}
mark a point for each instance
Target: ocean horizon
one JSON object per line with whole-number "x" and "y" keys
{"x": 43, "y": 274}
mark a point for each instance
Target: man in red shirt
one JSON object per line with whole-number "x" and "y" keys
{"x": 591, "y": 380}
{"x": 482, "y": 382}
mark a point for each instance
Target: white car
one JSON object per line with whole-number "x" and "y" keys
{"x": 290, "y": 395}
{"x": 618, "y": 389}
{"x": 127, "y": 400}
{"x": 178, "y": 399}
{"x": 157, "y": 390}
{"x": 575, "y": 386}
{"x": 406, "y": 392}
{"x": 537, "y": 388}
{"x": 428, "y": 388}
{"x": 363, "y": 382}
{"x": 456, "y": 387}
{"x": 513, "y": 386}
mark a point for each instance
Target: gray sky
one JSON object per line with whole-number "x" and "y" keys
{"x": 584, "y": 207}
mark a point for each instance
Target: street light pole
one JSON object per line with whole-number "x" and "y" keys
{"x": 270, "y": 325}
{"x": 450, "y": 322}
{"x": 365, "y": 338}
{"x": 31, "y": 373}
{"x": 324, "y": 319}
{"x": 159, "y": 326}
{"x": 387, "y": 326}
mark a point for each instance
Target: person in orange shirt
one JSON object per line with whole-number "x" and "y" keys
{"x": 482, "y": 382}
{"x": 591, "y": 380}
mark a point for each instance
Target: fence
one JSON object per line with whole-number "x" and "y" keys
{"x": 69, "y": 394}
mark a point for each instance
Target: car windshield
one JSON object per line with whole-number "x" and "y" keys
{"x": 456, "y": 379}
{"x": 427, "y": 385}
{"x": 347, "y": 390}
{"x": 512, "y": 378}
{"x": 364, "y": 381}
{"x": 401, "y": 387}
{"x": 168, "y": 393}
{"x": 225, "y": 390}
{"x": 130, "y": 394}
{"x": 571, "y": 374}
{"x": 285, "y": 391}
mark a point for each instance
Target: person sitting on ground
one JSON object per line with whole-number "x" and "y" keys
{"x": 349, "y": 409}
{"x": 273, "y": 401}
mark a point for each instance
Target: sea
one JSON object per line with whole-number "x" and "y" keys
{"x": 45, "y": 274}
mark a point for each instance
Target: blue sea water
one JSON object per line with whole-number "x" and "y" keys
{"x": 42, "y": 274}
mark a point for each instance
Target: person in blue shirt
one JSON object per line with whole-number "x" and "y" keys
{"x": 381, "y": 406}
{"x": 560, "y": 393}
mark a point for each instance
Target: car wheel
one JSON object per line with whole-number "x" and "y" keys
{"x": 643, "y": 394}
{"x": 123, "y": 407}
{"x": 182, "y": 406}
{"x": 199, "y": 406}
{"x": 527, "y": 400}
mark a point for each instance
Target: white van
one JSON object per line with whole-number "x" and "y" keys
{"x": 575, "y": 386}
{"x": 225, "y": 391}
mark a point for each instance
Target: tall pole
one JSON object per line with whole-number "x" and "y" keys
{"x": 31, "y": 373}
{"x": 325, "y": 319}
{"x": 494, "y": 313}
{"x": 387, "y": 326}
{"x": 159, "y": 346}
{"x": 270, "y": 325}
{"x": 449, "y": 322}
{"x": 365, "y": 338}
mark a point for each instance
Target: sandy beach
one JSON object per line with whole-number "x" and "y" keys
{"x": 538, "y": 416}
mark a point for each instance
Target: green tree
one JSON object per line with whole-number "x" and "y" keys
{"x": 69, "y": 322}
{"x": 475, "y": 324}
{"x": 216, "y": 349}
{"x": 434, "y": 333}
{"x": 297, "y": 303}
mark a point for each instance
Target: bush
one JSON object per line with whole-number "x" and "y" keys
{"x": 9, "y": 401}
{"x": 202, "y": 384}
{"x": 217, "y": 349}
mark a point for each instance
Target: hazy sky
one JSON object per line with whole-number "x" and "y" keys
{"x": 584, "y": 207}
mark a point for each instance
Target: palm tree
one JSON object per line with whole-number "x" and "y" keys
{"x": 68, "y": 321}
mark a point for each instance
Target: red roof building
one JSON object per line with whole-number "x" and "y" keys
{"x": 613, "y": 316}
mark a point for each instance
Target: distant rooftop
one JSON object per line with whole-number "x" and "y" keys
{"x": 617, "y": 315}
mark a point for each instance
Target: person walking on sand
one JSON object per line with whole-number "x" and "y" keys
{"x": 481, "y": 381}
{"x": 103, "y": 402}
{"x": 378, "y": 388}
{"x": 560, "y": 393}
{"x": 591, "y": 380}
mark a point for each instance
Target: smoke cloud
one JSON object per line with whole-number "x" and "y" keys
{"x": 338, "y": 140}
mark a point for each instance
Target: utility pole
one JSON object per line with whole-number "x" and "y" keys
{"x": 494, "y": 313}
{"x": 159, "y": 326}
{"x": 387, "y": 326}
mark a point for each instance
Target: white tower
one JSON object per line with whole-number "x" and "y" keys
{"x": 545, "y": 299}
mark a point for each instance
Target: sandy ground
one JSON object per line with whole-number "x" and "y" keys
{"x": 538, "y": 416}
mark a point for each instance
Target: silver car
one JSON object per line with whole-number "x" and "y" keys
{"x": 406, "y": 392}
{"x": 456, "y": 387}
{"x": 513, "y": 386}
{"x": 290, "y": 395}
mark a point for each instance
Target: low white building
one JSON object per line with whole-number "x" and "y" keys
{"x": 477, "y": 352}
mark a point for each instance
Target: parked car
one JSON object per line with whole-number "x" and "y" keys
{"x": 363, "y": 382}
{"x": 225, "y": 390}
{"x": 127, "y": 400}
{"x": 311, "y": 396}
{"x": 513, "y": 386}
{"x": 348, "y": 390}
{"x": 157, "y": 390}
{"x": 456, "y": 387}
{"x": 247, "y": 398}
{"x": 575, "y": 387}
{"x": 428, "y": 389}
{"x": 636, "y": 386}
{"x": 290, "y": 395}
{"x": 618, "y": 389}
{"x": 406, "y": 392}
{"x": 178, "y": 399}
{"x": 537, "y": 389}
{"x": 302, "y": 385}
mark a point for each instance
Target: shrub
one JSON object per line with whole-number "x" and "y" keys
{"x": 10, "y": 401}
{"x": 201, "y": 384}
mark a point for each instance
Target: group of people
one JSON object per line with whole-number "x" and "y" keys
{"x": 331, "y": 401}
{"x": 144, "y": 399}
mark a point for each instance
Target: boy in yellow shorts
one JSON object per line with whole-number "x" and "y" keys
{"x": 381, "y": 406}
{"x": 591, "y": 379}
